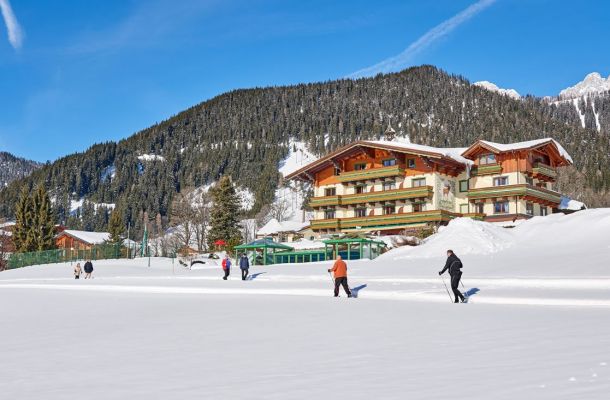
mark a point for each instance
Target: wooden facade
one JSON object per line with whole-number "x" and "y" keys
{"x": 391, "y": 187}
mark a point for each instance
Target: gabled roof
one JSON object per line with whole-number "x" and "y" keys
{"x": 274, "y": 226}
{"x": 86, "y": 237}
{"x": 451, "y": 155}
{"x": 528, "y": 145}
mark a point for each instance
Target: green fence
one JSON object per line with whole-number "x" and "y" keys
{"x": 99, "y": 252}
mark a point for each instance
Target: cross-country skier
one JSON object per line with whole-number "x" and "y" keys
{"x": 339, "y": 270}
{"x": 88, "y": 269}
{"x": 226, "y": 266}
{"x": 244, "y": 265}
{"x": 454, "y": 266}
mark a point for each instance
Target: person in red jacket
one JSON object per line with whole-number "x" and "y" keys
{"x": 226, "y": 266}
{"x": 339, "y": 270}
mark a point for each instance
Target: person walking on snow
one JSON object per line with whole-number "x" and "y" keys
{"x": 454, "y": 265}
{"x": 77, "y": 271}
{"x": 244, "y": 265}
{"x": 226, "y": 266}
{"x": 88, "y": 269}
{"x": 339, "y": 270}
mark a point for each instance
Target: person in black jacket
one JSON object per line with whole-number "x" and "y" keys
{"x": 88, "y": 269}
{"x": 244, "y": 265}
{"x": 454, "y": 266}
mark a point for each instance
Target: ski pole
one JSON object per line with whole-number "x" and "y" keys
{"x": 446, "y": 289}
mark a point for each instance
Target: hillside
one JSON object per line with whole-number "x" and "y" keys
{"x": 246, "y": 134}
{"x": 12, "y": 168}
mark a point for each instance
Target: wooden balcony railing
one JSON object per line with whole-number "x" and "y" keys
{"x": 372, "y": 197}
{"x": 515, "y": 190}
{"x": 373, "y": 173}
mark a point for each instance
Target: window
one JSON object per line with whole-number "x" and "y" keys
{"x": 330, "y": 192}
{"x": 360, "y": 189}
{"x": 389, "y": 185}
{"x": 359, "y": 166}
{"x": 360, "y": 212}
{"x": 389, "y": 209}
{"x": 389, "y": 162}
{"x": 529, "y": 181}
{"x": 329, "y": 214}
{"x": 479, "y": 208}
{"x": 543, "y": 211}
{"x": 501, "y": 207}
{"x": 501, "y": 181}
{"x": 464, "y": 208}
{"x": 464, "y": 185}
{"x": 418, "y": 207}
{"x": 411, "y": 163}
{"x": 336, "y": 171}
{"x": 418, "y": 182}
{"x": 487, "y": 159}
{"x": 529, "y": 208}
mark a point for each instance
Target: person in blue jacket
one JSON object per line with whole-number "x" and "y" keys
{"x": 244, "y": 265}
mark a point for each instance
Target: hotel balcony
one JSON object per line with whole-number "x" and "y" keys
{"x": 486, "y": 170}
{"x": 384, "y": 221}
{"x": 371, "y": 174}
{"x": 372, "y": 197}
{"x": 522, "y": 190}
{"x": 544, "y": 172}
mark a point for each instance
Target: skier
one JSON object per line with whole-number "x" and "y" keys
{"x": 340, "y": 271}
{"x": 244, "y": 265}
{"x": 88, "y": 269}
{"x": 77, "y": 271}
{"x": 226, "y": 266}
{"x": 454, "y": 265}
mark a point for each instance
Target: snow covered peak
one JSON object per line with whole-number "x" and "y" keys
{"x": 593, "y": 83}
{"x": 494, "y": 88}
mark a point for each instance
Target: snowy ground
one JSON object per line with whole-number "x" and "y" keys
{"x": 536, "y": 326}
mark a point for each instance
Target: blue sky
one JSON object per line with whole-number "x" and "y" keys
{"x": 82, "y": 72}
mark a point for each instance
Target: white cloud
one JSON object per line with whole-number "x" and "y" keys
{"x": 15, "y": 34}
{"x": 401, "y": 60}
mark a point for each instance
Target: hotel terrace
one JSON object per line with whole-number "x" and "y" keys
{"x": 392, "y": 186}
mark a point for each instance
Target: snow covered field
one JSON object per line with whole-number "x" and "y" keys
{"x": 536, "y": 326}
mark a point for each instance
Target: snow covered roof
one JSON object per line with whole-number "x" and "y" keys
{"x": 454, "y": 153}
{"x": 87, "y": 237}
{"x": 274, "y": 226}
{"x": 530, "y": 144}
{"x": 570, "y": 204}
{"x": 6, "y": 224}
{"x": 306, "y": 244}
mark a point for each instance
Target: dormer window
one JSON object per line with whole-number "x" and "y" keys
{"x": 487, "y": 159}
{"x": 389, "y": 162}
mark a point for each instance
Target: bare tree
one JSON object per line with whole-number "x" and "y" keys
{"x": 190, "y": 216}
{"x": 280, "y": 210}
{"x": 201, "y": 217}
{"x": 182, "y": 216}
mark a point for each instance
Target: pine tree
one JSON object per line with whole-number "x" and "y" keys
{"x": 23, "y": 223}
{"x": 116, "y": 227}
{"x": 224, "y": 216}
{"x": 43, "y": 221}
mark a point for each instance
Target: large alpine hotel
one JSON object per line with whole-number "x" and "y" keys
{"x": 392, "y": 186}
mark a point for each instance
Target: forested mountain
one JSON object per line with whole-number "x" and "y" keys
{"x": 12, "y": 168}
{"x": 246, "y": 133}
